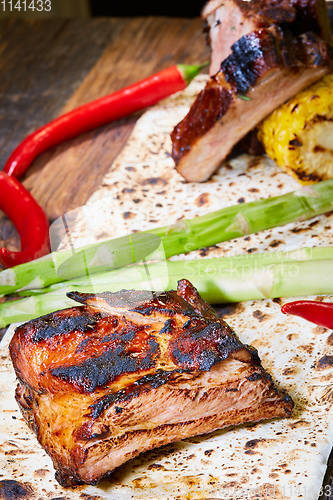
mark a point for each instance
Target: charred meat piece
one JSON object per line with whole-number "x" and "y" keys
{"x": 229, "y": 20}
{"x": 130, "y": 371}
{"x": 266, "y": 68}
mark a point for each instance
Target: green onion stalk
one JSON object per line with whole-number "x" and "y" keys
{"x": 306, "y": 271}
{"x": 183, "y": 237}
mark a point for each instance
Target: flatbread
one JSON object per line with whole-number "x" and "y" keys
{"x": 282, "y": 459}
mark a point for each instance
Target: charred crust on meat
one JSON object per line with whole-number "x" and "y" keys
{"x": 81, "y": 347}
{"x": 160, "y": 377}
{"x": 288, "y": 403}
{"x": 215, "y": 101}
{"x": 254, "y": 52}
{"x": 167, "y": 328}
{"x": 190, "y": 312}
{"x": 166, "y": 303}
{"x": 299, "y": 15}
{"x": 143, "y": 384}
{"x": 96, "y": 372}
{"x": 66, "y": 478}
{"x": 108, "y": 378}
{"x": 97, "y": 408}
{"x": 252, "y": 57}
{"x": 190, "y": 294}
{"x": 50, "y": 325}
{"x": 148, "y": 310}
{"x": 215, "y": 341}
{"x": 242, "y": 68}
{"x": 287, "y": 399}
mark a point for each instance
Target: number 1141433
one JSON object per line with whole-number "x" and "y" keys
{"x": 26, "y": 5}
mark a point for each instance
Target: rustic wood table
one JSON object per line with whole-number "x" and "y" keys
{"x": 51, "y": 66}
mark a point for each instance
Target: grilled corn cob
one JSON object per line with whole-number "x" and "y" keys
{"x": 299, "y": 134}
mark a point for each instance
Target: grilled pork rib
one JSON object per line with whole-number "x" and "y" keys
{"x": 265, "y": 68}
{"x": 229, "y": 20}
{"x": 130, "y": 371}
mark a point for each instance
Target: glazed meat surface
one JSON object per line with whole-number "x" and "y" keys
{"x": 229, "y": 20}
{"x": 130, "y": 371}
{"x": 265, "y": 69}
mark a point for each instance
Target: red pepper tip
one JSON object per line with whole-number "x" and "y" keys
{"x": 284, "y": 308}
{"x": 320, "y": 313}
{"x": 5, "y": 258}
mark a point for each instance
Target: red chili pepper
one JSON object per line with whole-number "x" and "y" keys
{"x": 29, "y": 220}
{"x": 320, "y": 313}
{"x": 99, "y": 112}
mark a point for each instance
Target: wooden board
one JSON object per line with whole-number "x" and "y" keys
{"x": 52, "y": 66}
{"x": 48, "y": 67}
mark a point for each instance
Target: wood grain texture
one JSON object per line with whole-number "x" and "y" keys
{"x": 42, "y": 63}
{"x": 53, "y": 66}
{"x": 73, "y": 171}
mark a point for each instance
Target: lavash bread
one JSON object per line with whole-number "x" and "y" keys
{"x": 282, "y": 459}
